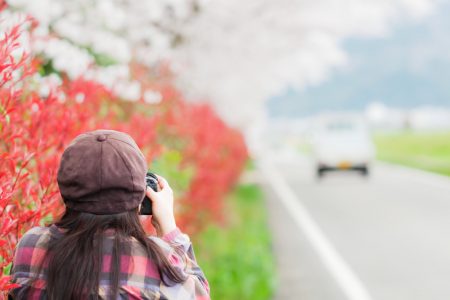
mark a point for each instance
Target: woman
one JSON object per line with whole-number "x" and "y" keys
{"x": 98, "y": 249}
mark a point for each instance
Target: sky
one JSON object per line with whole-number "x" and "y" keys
{"x": 408, "y": 67}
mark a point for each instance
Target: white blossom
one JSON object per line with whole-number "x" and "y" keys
{"x": 79, "y": 98}
{"x": 109, "y": 76}
{"x": 152, "y": 97}
{"x": 65, "y": 56}
{"x": 128, "y": 90}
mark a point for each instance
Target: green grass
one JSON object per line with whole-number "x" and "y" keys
{"x": 237, "y": 258}
{"x": 427, "y": 151}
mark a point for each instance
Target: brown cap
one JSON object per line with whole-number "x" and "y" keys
{"x": 102, "y": 172}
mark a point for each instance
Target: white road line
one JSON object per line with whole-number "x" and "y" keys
{"x": 338, "y": 268}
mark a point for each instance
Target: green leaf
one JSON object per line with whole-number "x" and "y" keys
{"x": 7, "y": 269}
{"x": 46, "y": 220}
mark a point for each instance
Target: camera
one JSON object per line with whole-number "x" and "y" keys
{"x": 152, "y": 182}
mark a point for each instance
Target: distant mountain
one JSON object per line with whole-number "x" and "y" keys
{"x": 410, "y": 67}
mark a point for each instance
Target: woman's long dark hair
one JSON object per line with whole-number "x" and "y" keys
{"x": 75, "y": 259}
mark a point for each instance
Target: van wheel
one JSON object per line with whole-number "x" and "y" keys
{"x": 365, "y": 171}
{"x": 320, "y": 173}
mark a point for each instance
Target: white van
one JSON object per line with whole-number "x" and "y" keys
{"x": 342, "y": 142}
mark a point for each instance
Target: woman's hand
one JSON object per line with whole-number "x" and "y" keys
{"x": 162, "y": 206}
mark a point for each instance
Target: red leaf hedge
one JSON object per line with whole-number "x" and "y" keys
{"x": 187, "y": 143}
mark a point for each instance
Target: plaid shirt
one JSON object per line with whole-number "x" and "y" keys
{"x": 142, "y": 280}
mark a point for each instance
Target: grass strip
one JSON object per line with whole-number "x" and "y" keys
{"x": 423, "y": 150}
{"x": 237, "y": 258}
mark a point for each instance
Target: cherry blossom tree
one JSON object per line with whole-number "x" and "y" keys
{"x": 240, "y": 53}
{"x": 99, "y": 39}
{"x": 235, "y": 54}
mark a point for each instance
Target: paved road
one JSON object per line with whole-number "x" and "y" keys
{"x": 392, "y": 232}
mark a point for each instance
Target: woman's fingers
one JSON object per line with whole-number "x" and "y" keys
{"x": 163, "y": 206}
{"x": 150, "y": 193}
{"x": 164, "y": 186}
{"x": 162, "y": 181}
{"x": 162, "y": 203}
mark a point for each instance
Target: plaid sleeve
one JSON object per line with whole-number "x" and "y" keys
{"x": 181, "y": 255}
{"x": 28, "y": 255}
